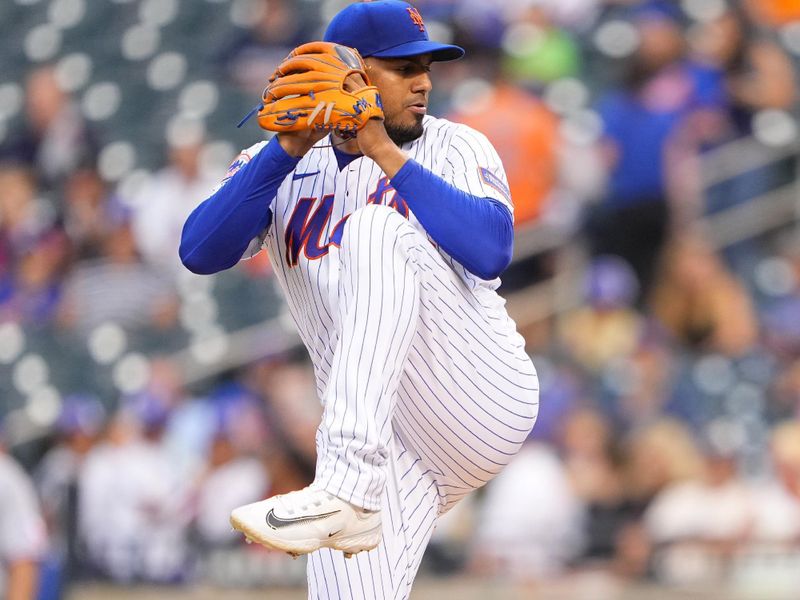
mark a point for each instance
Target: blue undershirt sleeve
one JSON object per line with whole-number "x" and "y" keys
{"x": 477, "y": 232}
{"x": 219, "y": 230}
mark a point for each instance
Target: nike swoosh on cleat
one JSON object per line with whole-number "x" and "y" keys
{"x": 276, "y": 522}
{"x": 297, "y": 176}
{"x": 334, "y": 533}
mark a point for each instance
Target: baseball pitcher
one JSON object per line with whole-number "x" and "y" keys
{"x": 387, "y": 229}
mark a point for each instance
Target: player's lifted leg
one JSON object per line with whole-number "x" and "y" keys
{"x": 341, "y": 509}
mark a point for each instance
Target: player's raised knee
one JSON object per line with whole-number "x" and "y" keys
{"x": 375, "y": 217}
{"x": 378, "y": 212}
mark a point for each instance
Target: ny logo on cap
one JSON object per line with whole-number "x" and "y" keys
{"x": 417, "y": 18}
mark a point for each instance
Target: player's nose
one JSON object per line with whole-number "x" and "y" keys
{"x": 421, "y": 83}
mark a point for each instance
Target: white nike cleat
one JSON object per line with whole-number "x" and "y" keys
{"x": 307, "y": 520}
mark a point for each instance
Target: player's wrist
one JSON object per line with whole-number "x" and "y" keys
{"x": 376, "y": 144}
{"x": 297, "y": 144}
{"x": 291, "y": 145}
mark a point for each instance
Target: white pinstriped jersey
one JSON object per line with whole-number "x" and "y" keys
{"x": 317, "y": 197}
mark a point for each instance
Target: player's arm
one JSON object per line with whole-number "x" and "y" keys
{"x": 219, "y": 230}
{"x": 476, "y": 229}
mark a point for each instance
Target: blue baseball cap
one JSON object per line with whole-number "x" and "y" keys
{"x": 386, "y": 29}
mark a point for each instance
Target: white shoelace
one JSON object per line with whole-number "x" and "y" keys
{"x": 306, "y": 505}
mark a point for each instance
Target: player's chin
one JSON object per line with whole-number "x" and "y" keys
{"x": 405, "y": 130}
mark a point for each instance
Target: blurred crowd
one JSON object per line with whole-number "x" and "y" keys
{"x": 668, "y": 442}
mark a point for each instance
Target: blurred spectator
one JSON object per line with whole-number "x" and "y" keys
{"x": 531, "y": 524}
{"x": 774, "y": 12}
{"x": 777, "y": 501}
{"x": 708, "y": 516}
{"x": 55, "y": 139}
{"x": 133, "y": 507}
{"x": 118, "y": 286}
{"x": 562, "y": 390}
{"x": 593, "y": 464}
{"x": 22, "y": 532}
{"x": 636, "y": 390}
{"x": 656, "y": 456}
{"x": 777, "y": 282}
{"x": 540, "y": 51}
{"x": 784, "y": 399}
{"x": 757, "y": 72}
{"x": 481, "y": 23}
{"x": 700, "y": 302}
{"x": 288, "y": 388}
{"x": 22, "y": 216}
{"x": 574, "y": 15}
{"x": 757, "y": 75}
{"x": 525, "y": 133}
{"x": 234, "y": 474}
{"x": 659, "y": 455}
{"x": 250, "y": 56}
{"x": 605, "y": 327}
{"x": 192, "y": 420}
{"x": 89, "y": 212}
{"x": 30, "y": 294}
{"x": 164, "y": 203}
{"x": 77, "y": 429}
{"x": 642, "y": 121}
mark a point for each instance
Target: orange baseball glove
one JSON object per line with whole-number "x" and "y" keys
{"x": 307, "y": 91}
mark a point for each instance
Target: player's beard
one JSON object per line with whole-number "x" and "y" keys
{"x": 402, "y": 134}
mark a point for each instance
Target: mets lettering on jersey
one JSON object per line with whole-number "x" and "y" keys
{"x": 381, "y": 191}
{"x": 304, "y": 233}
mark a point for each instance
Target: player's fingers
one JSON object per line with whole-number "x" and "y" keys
{"x": 324, "y": 117}
{"x": 354, "y": 82}
{"x": 300, "y": 83}
{"x": 291, "y": 102}
{"x": 297, "y": 113}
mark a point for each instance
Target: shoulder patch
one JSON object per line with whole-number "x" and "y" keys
{"x": 237, "y": 164}
{"x": 494, "y": 181}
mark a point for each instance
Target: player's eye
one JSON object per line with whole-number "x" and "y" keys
{"x": 413, "y": 68}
